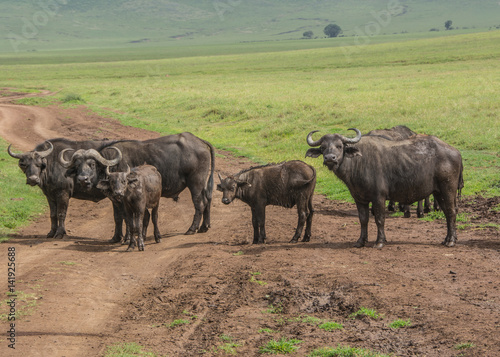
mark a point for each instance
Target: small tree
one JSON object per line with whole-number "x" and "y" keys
{"x": 308, "y": 34}
{"x": 447, "y": 24}
{"x": 332, "y": 30}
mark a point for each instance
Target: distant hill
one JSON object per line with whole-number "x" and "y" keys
{"x": 28, "y": 25}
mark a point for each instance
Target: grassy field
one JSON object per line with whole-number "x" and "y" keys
{"x": 262, "y": 104}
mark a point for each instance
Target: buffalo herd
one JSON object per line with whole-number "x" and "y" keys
{"x": 392, "y": 164}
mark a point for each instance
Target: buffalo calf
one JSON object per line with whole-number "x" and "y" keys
{"x": 286, "y": 184}
{"x": 138, "y": 189}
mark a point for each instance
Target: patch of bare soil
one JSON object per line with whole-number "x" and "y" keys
{"x": 82, "y": 293}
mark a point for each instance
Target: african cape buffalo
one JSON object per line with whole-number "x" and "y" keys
{"x": 375, "y": 169}
{"x": 183, "y": 160}
{"x": 139, "y": 189}
{"x": 286, "y": 184}
{"x": 401, "y": 132}
{"x": 42, "y": 168}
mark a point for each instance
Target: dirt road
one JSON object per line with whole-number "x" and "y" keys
{"x": 80, "y": 294}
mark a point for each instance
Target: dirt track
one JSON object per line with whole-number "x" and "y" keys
{"x": 89, "y": 294}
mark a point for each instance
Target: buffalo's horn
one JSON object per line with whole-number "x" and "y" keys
{"x": 94, "y": 154}
{"x": 46, "y": 152}
{"x": 16, "y": 156}
{"x": 220, "y": 177}
{"x": 62, "y": 161}
{"x": 310, "y": 141}
{"x": 107, "y": 171}
{"x": 128, "y": 169}
{"x": 104, "y": 161}
{"x": 352, "y": 140}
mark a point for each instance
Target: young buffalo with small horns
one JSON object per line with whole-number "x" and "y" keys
{"x": 286, "y": 184}
{"x": 376, "y": 169}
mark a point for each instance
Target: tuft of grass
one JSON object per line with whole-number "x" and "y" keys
{"x": 238, "y": 253}
{"x": 178, "y": 322}
{"x": 282, "y": 346}
{"x": 229, "y": 347}
{"x": 464, "y": 346}
{"x": 253, "y": 280}
{"x": 344, "y": 351}
{"x": 363, "y": 311}
{"x": 127, "y": 349}
{"x": 67, "y": 263}
{"x": 400, "y": 323}
{"x": 330, "y": 326}
{"x": 72, "y": 98}
{"x": 274, "y": 309}
{"x": 267, "y": 330}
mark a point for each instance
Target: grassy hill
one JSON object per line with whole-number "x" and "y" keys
{"x": 67, "y": 24}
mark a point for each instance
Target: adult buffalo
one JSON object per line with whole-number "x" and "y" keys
{"x": 402, "y": 132}
{"x": 375, "y": 169}
{"x": 42, "y": 168}
{"x": 183, "y": 160}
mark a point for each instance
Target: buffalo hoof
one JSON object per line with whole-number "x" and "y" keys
{"x": 60, "y": 234}
{"x": 407, "y": 214}
{"x": 359, "y": 244}
{"x": 449, "y": 243}
{"x": 51, "y": 234}
{"x": 420, "y": 214}
{"x": 116, "y": 239}
{"x": 203, "y": 229}
{"x": 158, "y": 240}
{"x": 141, "y": 248}
{"x": 378, "y": 245}
{"x": 190, "y": 232}
{"x": 294, "y": 240}
{"x": 306, "y": 239}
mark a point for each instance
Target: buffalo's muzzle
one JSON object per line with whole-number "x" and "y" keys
{"x": 33, "y": 180}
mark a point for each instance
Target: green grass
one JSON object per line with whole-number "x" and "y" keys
{"x": 363, "y": 311}
{"x": 464, "y": 346}
{"x": 330, "y": 326}
{"x": 18, "y": 201}
{"x": 129, "y": 349}
{"x": 400, "y": 323}
{"x": 281, "y": 346}
{"x": 178, "y": 322}
{"x": 344, "y": 351}
{"x": 260, "y": 102}
{"x": 274, "y": 309}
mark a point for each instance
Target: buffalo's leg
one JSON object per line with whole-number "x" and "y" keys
{"x": 427, "y": 204}
{"x": 447, "y": 202}
{"x": 259, "y": 224}
{"x": 62, "y": 209}
{"x": 363, "y": 214}
{"x": 390, "y": 206}
{"x": 199, "y": 201}
{"x": 310, "y": 213}
{"x": 135, "y": 229}
{"x": 145, "y": 224}
{"x": 420, "y": 209}
{"x": 379, "y": 207}
{"x": 205, "y": 224}
{"x": 141, "y": 230}
{"x": 154, "y": 218}
{"x": 302, "y": 217}
{"x": 118, "y": 214}
{"x": 53, "y": 218}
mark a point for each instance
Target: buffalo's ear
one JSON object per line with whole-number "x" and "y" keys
{"x": 351, "y": 151}
{"x": 219, "y": 187}
{"x": 71, "y": 172}
{"x": 243, "y": 184}
{"x": 314, "y": 152}
{"x": 103, "y": 185}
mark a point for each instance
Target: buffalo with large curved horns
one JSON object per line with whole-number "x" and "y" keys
{"x": 376, "y": 169}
